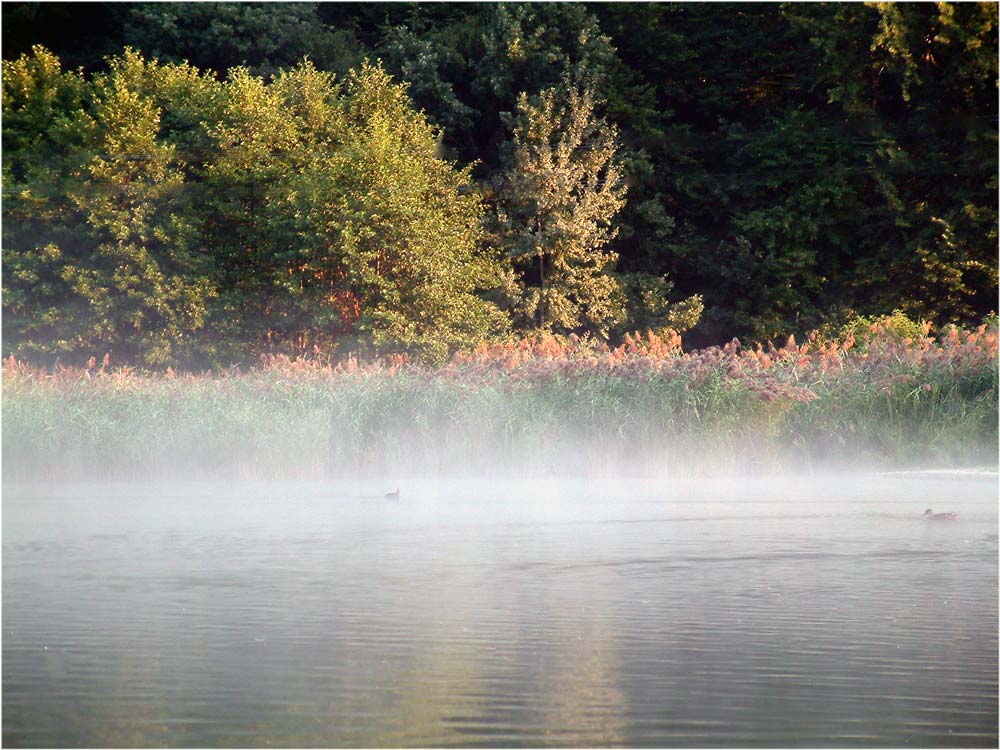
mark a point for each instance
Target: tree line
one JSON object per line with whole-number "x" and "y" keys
{"x": 197, "y": 183}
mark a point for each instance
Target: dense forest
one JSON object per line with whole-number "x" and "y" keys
{"x": 197, "y": 184}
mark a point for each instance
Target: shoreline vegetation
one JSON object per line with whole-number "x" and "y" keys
{"x": 546, "y": 405}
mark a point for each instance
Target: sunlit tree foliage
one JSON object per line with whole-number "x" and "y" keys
{"x": 159, "y": 214}
{"x": 558, "y": 196}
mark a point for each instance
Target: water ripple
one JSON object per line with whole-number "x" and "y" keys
{"x": 529, "y": 625}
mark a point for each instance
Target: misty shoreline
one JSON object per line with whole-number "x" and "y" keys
{"x": 534, "y": 409}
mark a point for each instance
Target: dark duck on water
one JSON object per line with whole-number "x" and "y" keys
{"x": 930, "y": 515}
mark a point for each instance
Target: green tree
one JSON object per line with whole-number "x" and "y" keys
{"x": 335, "y": 224}
{"x": 649, "y": 308}
{"x": 147, "y": 296}
{"x": 468, "y": 64}
{"x": 262, "y": 37}
{"x": 256, "y": 147}
{"x": 792, "y": 164}
{"x": 78, "y": 34}
{"x": 814, "y": 159}
{"x": 920, "y": 83}
{"x": 396, "y": 230}
{"x": 158, "y": 214}
{"x": 114, "y": 270}
{"x": 717, "y": 200}
{"x": 430, "y": 69}
{"x": 561, "y": 188}
{"x": 46, "y": 137}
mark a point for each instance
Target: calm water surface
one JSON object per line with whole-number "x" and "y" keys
{"x": 818, "y": 612}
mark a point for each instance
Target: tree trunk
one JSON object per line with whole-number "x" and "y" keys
{"x": 541, "y": 299}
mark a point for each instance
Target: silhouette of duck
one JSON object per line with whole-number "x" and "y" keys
{"x": 932, "y": 516}
{"x": 392, "y": 495}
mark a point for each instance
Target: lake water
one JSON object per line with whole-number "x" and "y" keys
{"x": 801, "y": 612}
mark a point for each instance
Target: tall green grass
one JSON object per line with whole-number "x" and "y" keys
{"x": 534, "y": 408}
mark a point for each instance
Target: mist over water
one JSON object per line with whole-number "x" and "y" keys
{"x": 813, "y": 611}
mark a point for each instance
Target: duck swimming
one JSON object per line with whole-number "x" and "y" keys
{"x": 932, "y": 516}
{"x": 392, "y": 495}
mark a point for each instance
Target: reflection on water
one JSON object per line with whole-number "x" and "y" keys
{"x": 467, "y": 614}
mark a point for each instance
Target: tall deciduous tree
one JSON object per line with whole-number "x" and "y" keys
{"x": 389, "y": 232}
{"x": 559, "y": 194}
{"x": 119, "y": 245}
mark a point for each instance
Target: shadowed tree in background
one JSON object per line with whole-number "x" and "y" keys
{"x": 468, "y": 64}
{"x": 919, "y": 84}
{"x": 262, "y": 37}
{"x": 818, "y": 160}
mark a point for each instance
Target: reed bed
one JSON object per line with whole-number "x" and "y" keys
{"x": 537, "y": 407}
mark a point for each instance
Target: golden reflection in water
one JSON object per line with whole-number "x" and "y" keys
{"x": 134, "y": 716}
{"x": 414, "y": 693}
{"x": 583, "y": 683}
